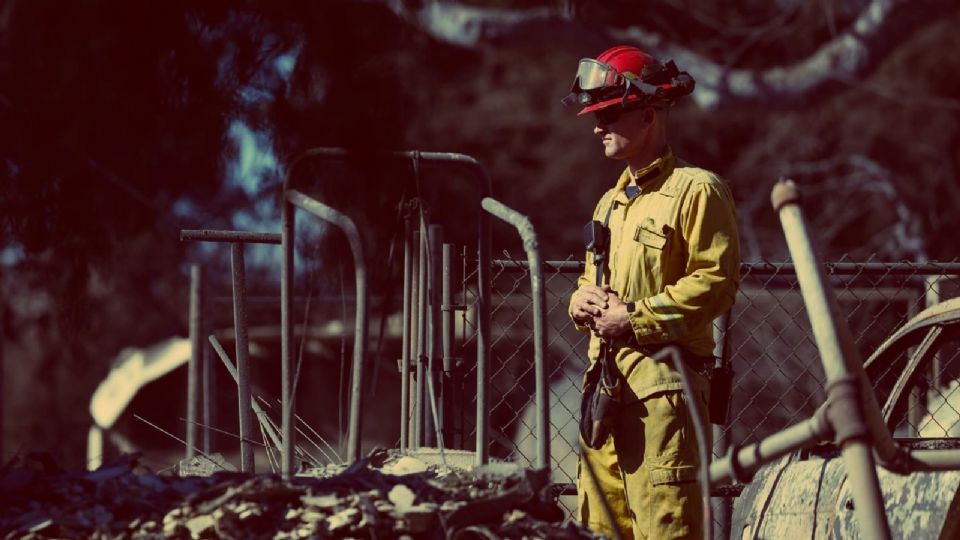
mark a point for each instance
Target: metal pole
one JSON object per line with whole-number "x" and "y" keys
{"x": 722, "y": 508}
{"x": 332, "y": 215}
{"x": 841, "y": 365}
{"x": 232, "y": 237}
{"x": 932, "y": 297}
{"x": 243, "y": 364}
{"x": 935, "y": 460}
{"x": 3, "y": 308}
{"x": 483, "y": 340}
{"x": 288, "y": 406}
{"x": 483, "y": 267}
{"x": 917, "y": 399}
{"x": 741, "y": 463}
{"x": 413, "y": 413}
{"x": 538, "y": 292}
{"x": 209, "y": 391}
{"x": 262, "y": 415}
{"x": 405, "y": 345}
{"x": 420, "y": 418}
{"x": 434, "y": 362}
{"x": 446, "y": 330}
{"x": 196, "y": 353}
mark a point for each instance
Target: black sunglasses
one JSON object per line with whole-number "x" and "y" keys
{"x": 609, "y": 115}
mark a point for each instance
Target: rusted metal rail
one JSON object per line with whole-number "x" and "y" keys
{"x": 483, "y": 286}
{"x": 531, "y": 247}
{"x": 346, "y": 224}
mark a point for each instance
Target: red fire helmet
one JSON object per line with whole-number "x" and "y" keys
{"x": 624, "y": 75}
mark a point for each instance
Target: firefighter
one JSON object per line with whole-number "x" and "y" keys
{"x": 672, "y": 266}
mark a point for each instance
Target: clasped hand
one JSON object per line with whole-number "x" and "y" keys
{"x": 601, "y": 309}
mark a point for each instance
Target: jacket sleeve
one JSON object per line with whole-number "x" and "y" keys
{"x": 712, "y": 269}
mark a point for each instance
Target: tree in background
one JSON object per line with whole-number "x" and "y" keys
{"x": 120, "y": 125}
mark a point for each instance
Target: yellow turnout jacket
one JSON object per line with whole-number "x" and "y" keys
{"x": 675, "y": 252}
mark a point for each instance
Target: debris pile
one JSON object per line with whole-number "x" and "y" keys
{"x": 372, "y": 498}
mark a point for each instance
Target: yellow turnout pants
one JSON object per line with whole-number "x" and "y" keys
{"x": 646, "y": 472}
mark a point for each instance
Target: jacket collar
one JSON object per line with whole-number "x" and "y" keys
{"x": 649, "y": 178}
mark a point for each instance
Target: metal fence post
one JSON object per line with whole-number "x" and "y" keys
{"x": 446, "y": 342}
{"x": 288, "y": 222}
{"x": 932, "y": 297}
{"x": 421, "y": 409}
{"x": 3, "y": 309}
{"x": 434, "y": 347}
{"x": 196, "y": 355}
{"x": 413, "y": 413}
{"x": 722, "y": 509}
{"x": 405, "y": 340}
{"x": 247, "y": 464}
{"x": 209, "y": 390}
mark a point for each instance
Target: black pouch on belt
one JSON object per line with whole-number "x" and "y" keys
{"x": 601, "y": 401}
{"x": 721, "y": 385}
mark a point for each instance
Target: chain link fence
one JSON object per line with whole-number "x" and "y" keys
{"x": 778, "y": 376}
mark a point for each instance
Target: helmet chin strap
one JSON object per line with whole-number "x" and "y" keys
{"x": 645, "y": 89}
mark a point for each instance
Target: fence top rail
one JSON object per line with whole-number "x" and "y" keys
{"x": 245, "y": 237}
{"x": 783, "y": 268}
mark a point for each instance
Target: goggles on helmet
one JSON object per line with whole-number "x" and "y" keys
{"x": 596, "y": 81}
{"x": 594, "y": 75}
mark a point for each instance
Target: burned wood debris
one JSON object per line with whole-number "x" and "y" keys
{"x": 125, "y": 500}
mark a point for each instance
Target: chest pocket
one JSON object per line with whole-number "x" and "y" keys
{"x": 652, "y": 242}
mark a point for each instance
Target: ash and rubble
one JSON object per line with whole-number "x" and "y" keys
{"x": 384, "y": 495}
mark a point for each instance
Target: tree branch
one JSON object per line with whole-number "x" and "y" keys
{"x": 852, "y": 54}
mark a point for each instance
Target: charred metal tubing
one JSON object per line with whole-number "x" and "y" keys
{"x": 483, "y": 268}
{"x": 841, "y": 362}
{"x": 247, "y": 464}
{"x": 196, "y": 354}
{"x": 257, "y": 409}
{"x": 405, "y": 338}
{"x": 341, "y": 220}
{"x": 838, "y": 351}
{"x": 741, "y": 462}
{"x": 699, "y": 429}
{"x": 538, "y": 292}
{"x": 935, "y": 460}
{"x": 204, "y": 235}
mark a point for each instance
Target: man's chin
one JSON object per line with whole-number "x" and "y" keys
{"x": 613, "y": 153}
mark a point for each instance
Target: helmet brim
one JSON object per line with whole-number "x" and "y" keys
{"x": 631, "y": 98}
